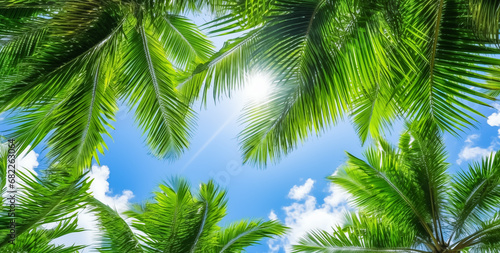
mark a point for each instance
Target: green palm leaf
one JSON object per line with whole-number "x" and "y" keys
{"x": 116, "y": 235}
{"x": 240, "y": 235}
{"x": 474, "y": 194}
{"x": 39, "y": 201}
{"x": 180, "y": 221}
{"x": 65, "y": 63}
{"x": 407, "y": 202}
{"x": 360, "y": 234}
{"x": 148, "y": 85}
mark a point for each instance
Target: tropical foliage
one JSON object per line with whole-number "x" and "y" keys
{"x": 409, "y": 203}
{"x": 43, "y": 208}
{"x": 372, "y": 61}
{"x": 46, "y": 208}
{"x": 180, "y": 221}
{"x": 66, "y": 63}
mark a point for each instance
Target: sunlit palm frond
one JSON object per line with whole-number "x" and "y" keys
{"x": 180, "y": 221}
{"x": 384, "y": 184}
{"x": 454, "y": 65}
{"x": 426, "y": 158}
{"x": 408, "y": 189}
{"x": 302, "y": 58}
{"x": 242, "y": 234}
{"x": 474, "y": 194}
{"x": 116, "y": 235}
{"x": 360, "y": 233}
{"x": 375, "y": 60}
{"x": 213, "y": 201}
{"x": 172, "y": 223}
{"x": 52, "y": 198}
{"x": 148, "y": 85}
{"x": 78, "y": 115}
{"x": 184, "y": 43}
{"x": 223, "y": 73}
{"x": 65, "y": 65}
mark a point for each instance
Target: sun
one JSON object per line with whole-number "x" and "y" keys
{"x": 258, "y": 86}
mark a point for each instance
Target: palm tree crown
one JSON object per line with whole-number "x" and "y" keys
{"x": 180, "y": 221}
{"x": 177, "y": 221}
{"x": 409, "y": 203}
{"x": 373, "y": 61}
{"x": 64, "y": 65}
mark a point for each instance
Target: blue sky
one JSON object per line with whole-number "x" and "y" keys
{"x": 294, "y": 190}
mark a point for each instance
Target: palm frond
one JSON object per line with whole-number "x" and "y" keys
{"x": 485, "y": 237}
{"x": 454, "y": 65}
{"x": 485, "y": 15}
{"x": 302, "y": 57}
{"x": 474, "y": 194}
{"x": 52, "y": 198}
{"x": 40, "y": 240}
{"x": 116, "y": 235}
{"x": 426, "y": 157}
{"x": 240, "y": 235}
{"x": 148, "y": 86}
{"x": 172, "y": 223}
{"x": 223, "y": 73}
{"x": 385, "y": 185}
{"x": 184, "y": 43}
{"x": 213, "y": 202}
{"x": 361, "y": 234}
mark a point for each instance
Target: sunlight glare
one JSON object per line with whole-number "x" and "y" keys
{"x": 258, "y": 86}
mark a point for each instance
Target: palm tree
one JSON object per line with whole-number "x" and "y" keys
{"x": 43, "y": 208}
{"x": 64, "y": 65}
{"x": 408, "y": 202}
{"x": 180, "y": 221}
{"x": 373, "y": 61}
{"x": 47, "y": 206}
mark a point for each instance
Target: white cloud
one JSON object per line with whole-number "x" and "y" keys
{"x": 100, "y": 190}
{"x": 272, "y": 215}
{"x": 494, "y": 119}
{"x": 474, "y": 152}
{"x": 471, "y": 138}
{"x": 300, "y": 192}
{"x": 471, "y": 152}
{"x": 306, "y": 214}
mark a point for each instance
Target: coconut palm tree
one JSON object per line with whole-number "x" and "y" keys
{"x": 408, "y": 202}
{"x": 181, "y": 221}
{"x": 46, "y": 208}
{"x": 64, "y": 65}
{"x": 42, "y": 208}
{"x": 370, "y": 61}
